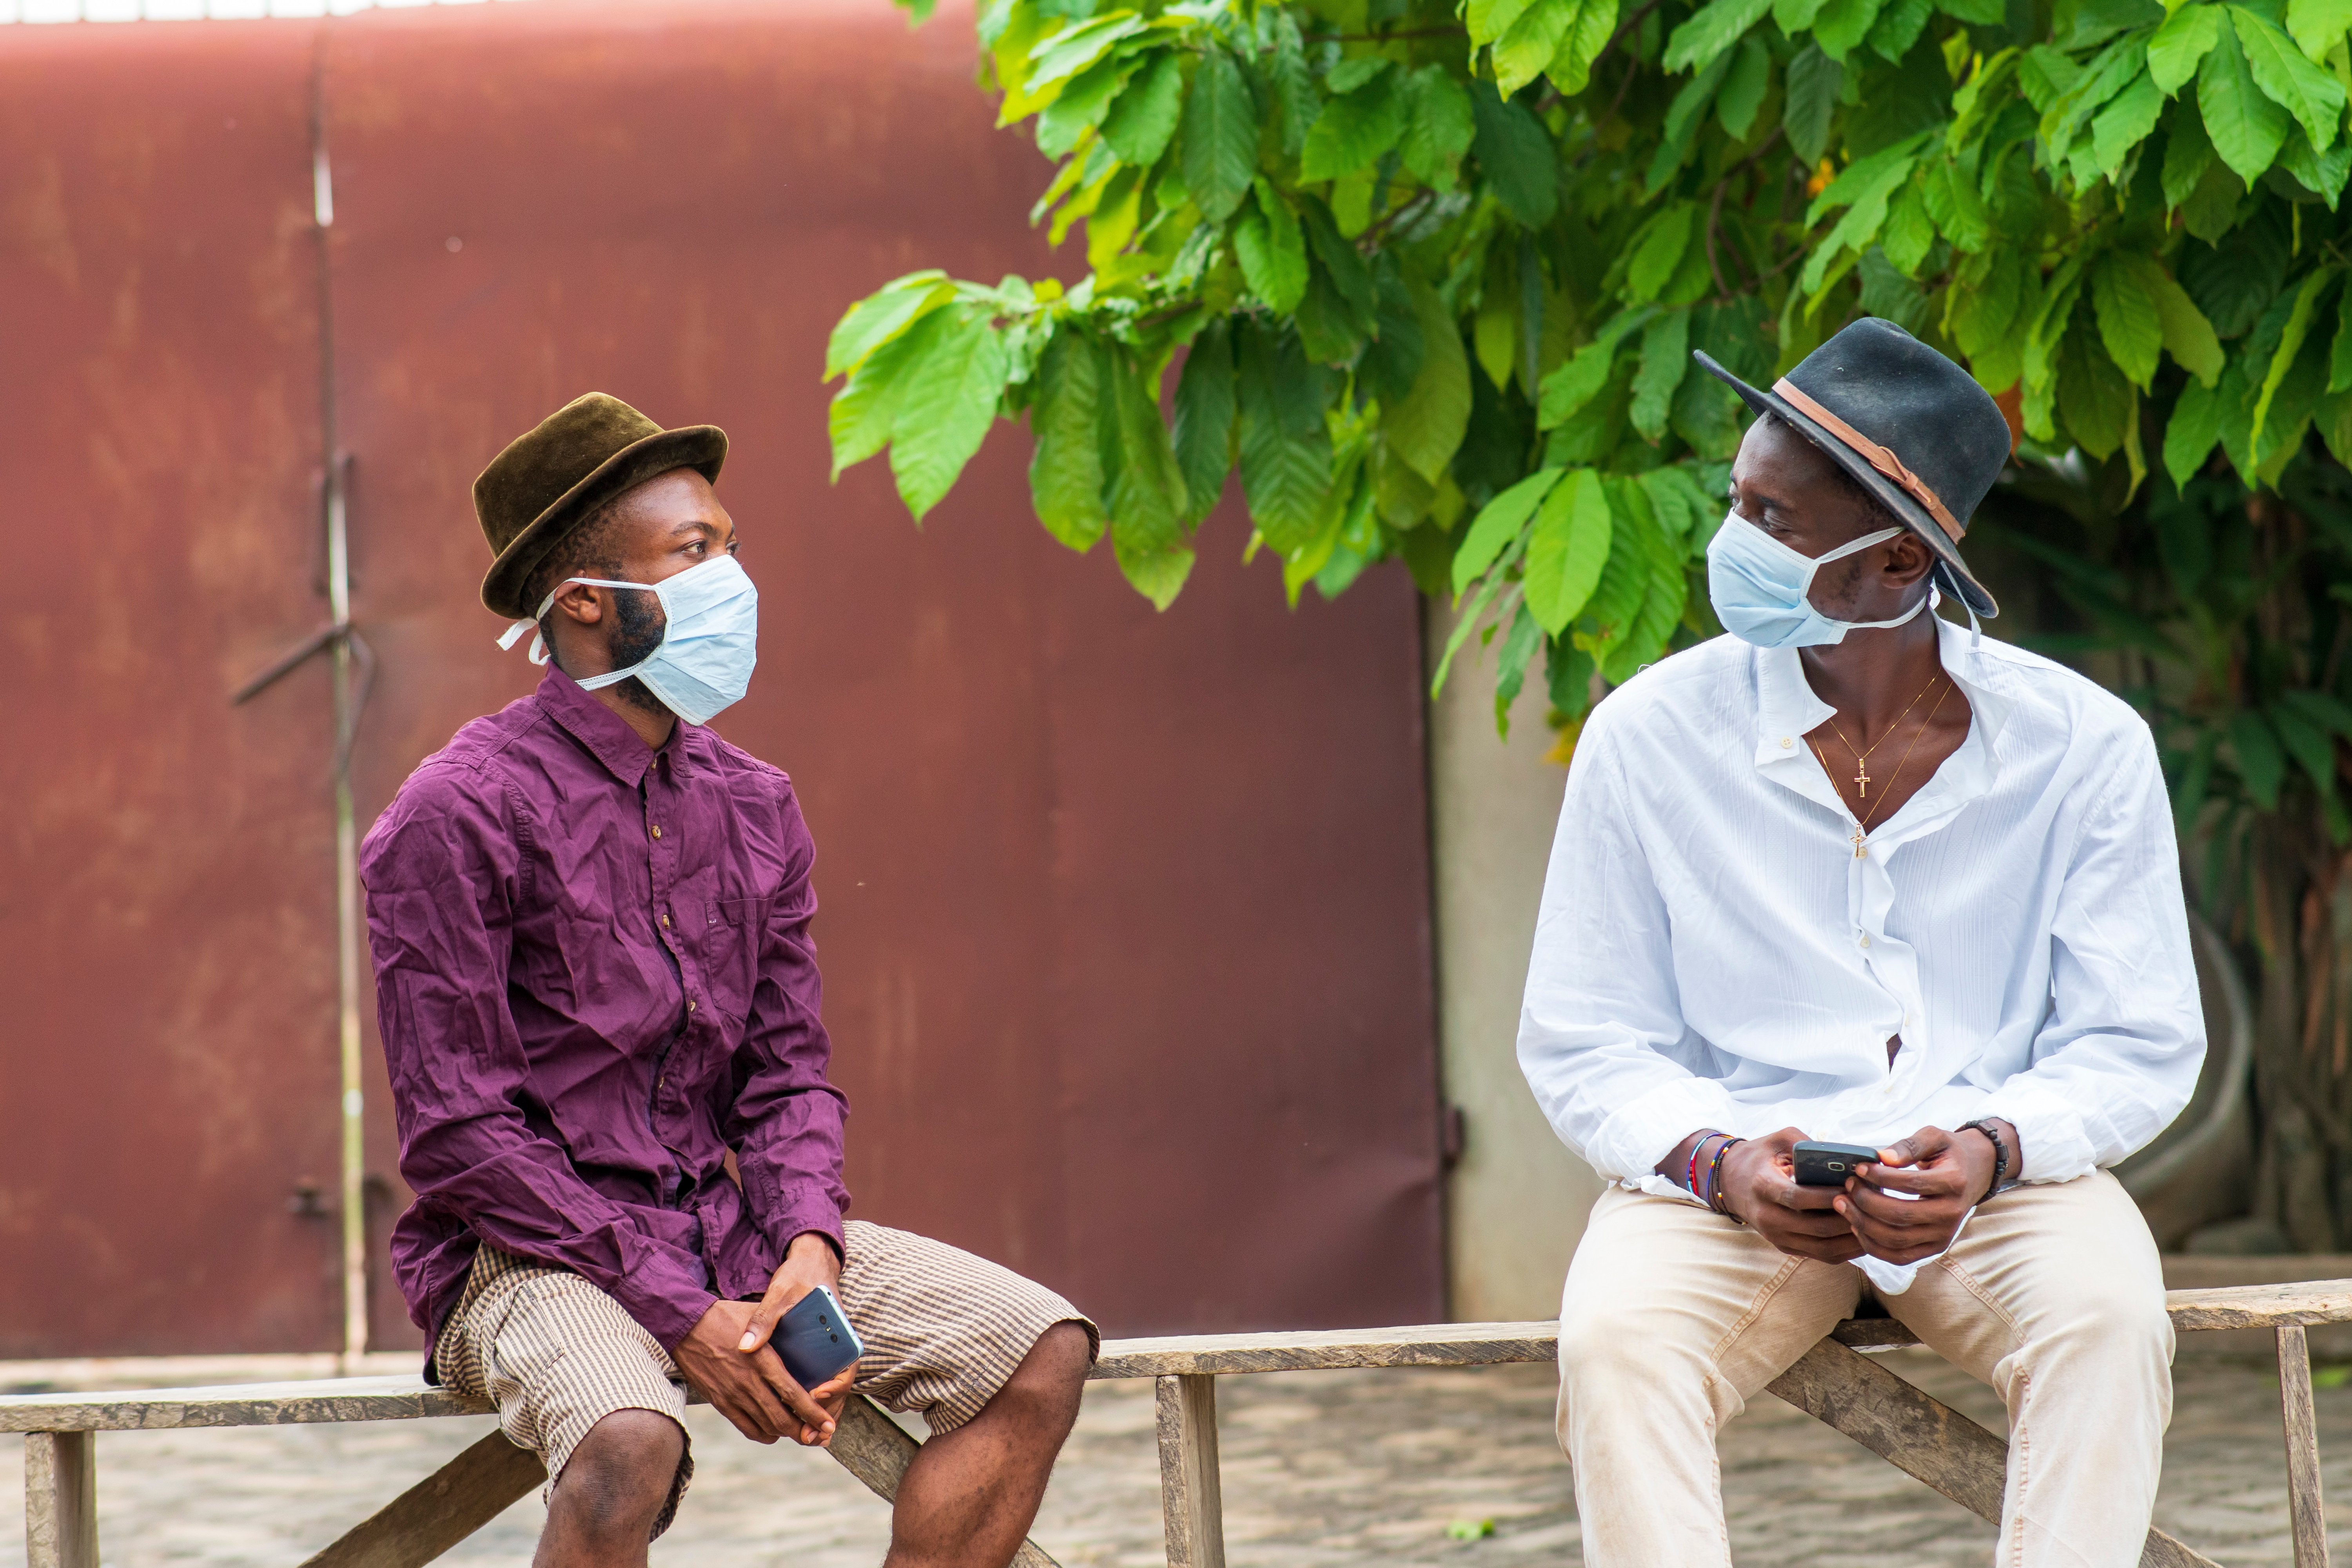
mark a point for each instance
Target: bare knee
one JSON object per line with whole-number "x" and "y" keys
{"x": 1045, "y": 1390}
{"x": 617, "y": 1479}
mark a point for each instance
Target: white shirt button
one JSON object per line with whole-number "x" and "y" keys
{"x": 1786, "y": 743}
{"x": 1866, "y": 939}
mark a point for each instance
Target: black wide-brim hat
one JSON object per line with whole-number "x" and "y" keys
{"x": 1913, "y": 428}
{"x": 549, "y": 480}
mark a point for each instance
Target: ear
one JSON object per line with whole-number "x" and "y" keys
{"x": 579, "y": 604}
{"x": 1907, "y": 560}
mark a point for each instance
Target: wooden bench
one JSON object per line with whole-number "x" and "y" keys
{"x": 1833, "y": 1381}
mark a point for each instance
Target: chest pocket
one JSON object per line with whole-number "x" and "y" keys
{"x": 731, "y": 933}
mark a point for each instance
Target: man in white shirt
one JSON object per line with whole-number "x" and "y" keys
{"x": 1855, "y": 875}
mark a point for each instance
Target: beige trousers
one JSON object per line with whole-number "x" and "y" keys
{"x": 1675, "y": 1317}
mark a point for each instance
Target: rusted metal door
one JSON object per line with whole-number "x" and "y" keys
{"x": 1125, "y": 915}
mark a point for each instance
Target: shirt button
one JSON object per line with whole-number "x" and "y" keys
{"x": 665, "y": 922}
{"x": 690, "y": 1003}
{"x": 1866, "y": 939}
{"x": 1786, "y": 743}
{"x": 657, "y": 833}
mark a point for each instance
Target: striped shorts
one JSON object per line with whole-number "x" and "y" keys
{"x": 944, "y": 1331}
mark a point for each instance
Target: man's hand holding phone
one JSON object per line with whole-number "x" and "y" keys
{"x": 728, "y": 1358}
{"x": 1944, "y": 1175}
{"x": 1759, "y": 1188}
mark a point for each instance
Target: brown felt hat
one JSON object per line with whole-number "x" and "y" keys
{"x": 578, "y": 457}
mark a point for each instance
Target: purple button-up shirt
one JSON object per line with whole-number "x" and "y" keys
{"x": 594, "y": 977}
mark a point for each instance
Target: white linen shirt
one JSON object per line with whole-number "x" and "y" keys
{"x": 1711, "y": 953}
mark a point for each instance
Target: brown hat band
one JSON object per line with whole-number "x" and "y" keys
{"x": 1878, "y": 457}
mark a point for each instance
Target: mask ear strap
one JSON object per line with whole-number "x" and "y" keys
{"x": 539, "y": 654}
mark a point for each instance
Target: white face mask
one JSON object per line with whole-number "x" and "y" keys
{"x": 1761, "y": 589}
{"x": 708, "y": 649}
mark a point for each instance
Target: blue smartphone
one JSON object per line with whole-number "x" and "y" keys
{"x": 814, "y": 1338}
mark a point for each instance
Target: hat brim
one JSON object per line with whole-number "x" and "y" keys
{"x": 1885, "y": 491}
{"x": 702, "y": 447}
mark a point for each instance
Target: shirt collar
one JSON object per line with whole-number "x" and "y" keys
{"x": 1787, "y": 710}
{"x": 607, "y": 736}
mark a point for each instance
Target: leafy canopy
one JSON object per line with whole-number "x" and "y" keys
{"x": 1433, "y": 272}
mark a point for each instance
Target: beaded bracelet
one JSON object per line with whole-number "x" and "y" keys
{"x": 1714, "y": 1199}
{"x": 1690, "y": 1177}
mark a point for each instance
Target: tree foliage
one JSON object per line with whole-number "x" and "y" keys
{"x": 1433, "y": 272}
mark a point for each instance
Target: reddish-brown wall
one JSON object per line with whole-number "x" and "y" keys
{"x": 1125, "y": 914}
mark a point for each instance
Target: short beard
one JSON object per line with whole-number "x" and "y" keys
{"x": 639, "y": 627}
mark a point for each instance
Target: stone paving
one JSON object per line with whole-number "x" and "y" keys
{"x": 1320, "y": 1469}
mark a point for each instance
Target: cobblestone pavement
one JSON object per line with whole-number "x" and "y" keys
{"x": 1320, "y": 1469}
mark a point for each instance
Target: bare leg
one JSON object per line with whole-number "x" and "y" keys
{"x": 968, "y": 1499}
{"x": 602, "y": 1514}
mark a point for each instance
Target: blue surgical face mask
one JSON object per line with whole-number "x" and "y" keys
{"x": 708, "y": 649}
{"x": 1760, "y": 587}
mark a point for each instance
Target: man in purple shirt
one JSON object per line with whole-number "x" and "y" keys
{"x": 601, "y": 1013}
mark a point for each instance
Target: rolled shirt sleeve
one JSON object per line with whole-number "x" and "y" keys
{"x": 2118, "y": 1056}
{"x": 1601, "y": 1005}
{"x": 786, "y": 1121}
{"x": 443, "y": 876}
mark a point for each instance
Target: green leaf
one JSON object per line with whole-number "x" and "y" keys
{"x": 1658, "y": 252}
{"x": 1666, "y": 358}
{"x": 1285, "y": 446}
{"x": 1898, "y": 28}
{"x": 1843, "y": 24}
{"x": 2189, "y": 337}
{"x": 2187, "y": 153}
{"x": 1571, "y": 65}
{"x": 2298, "y": 327}
{"x": 882, "y": 316}
{"x": 1958, "y": 211}
{"x": 2289, "y": 78}
{"x": 1814, "y": 80}
{"x": 1795, "y": 17}
{"x": 2260, "y": 762}
{"x": 2094, "y": 394}
{"x": 1426, "y": 425}
{"x": 1681, "y": 506}
{"x": 1683, "y": 117}
{"x": 1353, "y": 130}
{"x": 866, "y": 411}
{"x": 2321, "y": 173}
{"x": 1525, "y": 52}
{"x": 2306, "y": 741}
{"x": 1515, "y": 151}
{"x": 1978, "y": 13}
{"x": 1711, "y": 31}
{"x": 951, "y": 397}
{"x": 1743, "y": 88}
{"x": 1220, "y": 150}
{"x": 1498, "y": 524}
{"x": 1867, "y": 184}
{"x": 1653, "y": 626}
{"x": 2339, "y": 359}
{"x": 2246, "y": 127}
{"x": 1489, "y": 20}
{"x": 1205, "y": 407}
{"x": 2319, "y": 26}
{"x": 2125, "y": 124}
{"x": 1568, "y": 389}
{"x": 1438, "y": 126}
{"x": 1148, "y": 501}
{"x": 1142, "y": 122}
{"x": 1910, "y": 232}
{"x": 1568, "y": 550}
{"x": 1272, "y": 251}
{"x": 1066, "y": 471}
{"x": 2129, "y": 322}
{"x": 2195, "y": 426}
{"x": 1065, "y": 54}
{"x": 1080, "y": 106}
{"x": 1617, "y": 598}
{"x": 2186, "y": 37}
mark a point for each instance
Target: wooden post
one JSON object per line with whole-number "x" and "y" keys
{"x": 2303, "y": 1500}
{"x": 61, "y": 1500}
{"x": 1191, "y": 1501}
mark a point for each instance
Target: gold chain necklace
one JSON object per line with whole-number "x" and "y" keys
{"x": 1861, "y": 759}
{"x": 1862, "y": 826}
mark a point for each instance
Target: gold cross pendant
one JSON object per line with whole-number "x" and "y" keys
{"x": 1857, "y": 841}
{"x": 1861, "y": 779}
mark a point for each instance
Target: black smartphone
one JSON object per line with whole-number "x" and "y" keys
{"x": 814, "y": 1338}
{"x": 1829, "y": 1164}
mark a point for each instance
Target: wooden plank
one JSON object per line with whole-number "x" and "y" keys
{"x": 2261, "y": 1306}
{"x": 1191, "y": 1494}
{"x": 440, "y": 1510}
{"x": 1922, "y": 1436}
{"x": 2305, "y": 1510}
{"x": 877, "y": 1450}
{"x": 61, "y": 1500}
{"x": 1326, "y": 1349}
{"x": 232, "y": 1405}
